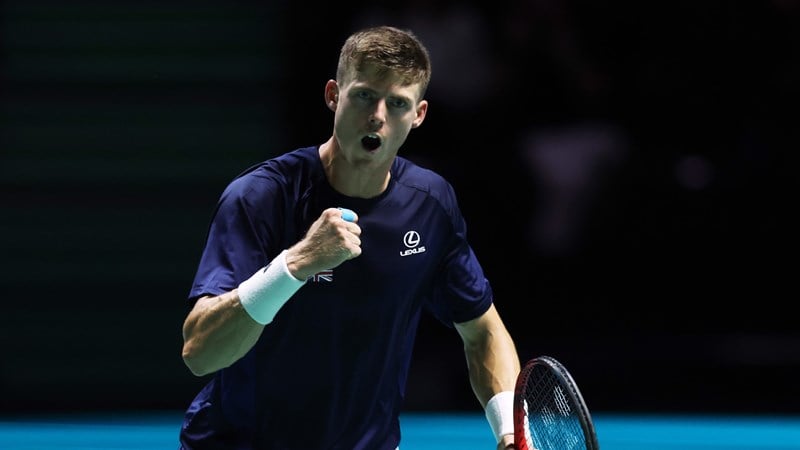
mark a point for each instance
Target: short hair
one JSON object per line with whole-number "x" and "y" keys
{"x": 389, "y": 49}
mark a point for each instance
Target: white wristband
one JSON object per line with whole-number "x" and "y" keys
{"x": 500, "y": 414}
{"x": 263, "y": 294}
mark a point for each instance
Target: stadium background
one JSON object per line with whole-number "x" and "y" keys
{"x": 624, "y": 169}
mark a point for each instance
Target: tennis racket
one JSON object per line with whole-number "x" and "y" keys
{"x": 549, "y": 411}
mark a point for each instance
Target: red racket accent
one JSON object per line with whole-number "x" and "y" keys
{"x": 549, "y": 410}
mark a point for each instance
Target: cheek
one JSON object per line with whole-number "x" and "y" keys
{"x": 346, "y": 123}
{"x": 400, "y": 132}
{"x": 348, "y": 113}
{"x": 342, "y": 115}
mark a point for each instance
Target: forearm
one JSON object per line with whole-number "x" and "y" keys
{"x": 217, "y": 332}
{"x": 493, "y": 368}
{"x": 220, "y": 330}
{"x": 493, "y": 364}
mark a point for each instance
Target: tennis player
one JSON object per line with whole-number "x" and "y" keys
{"x": 317, "y": 267}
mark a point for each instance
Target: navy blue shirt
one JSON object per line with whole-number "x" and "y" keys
{"x": 329, "y": 372}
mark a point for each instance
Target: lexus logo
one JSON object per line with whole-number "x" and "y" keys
{"x": 411, "y": 239}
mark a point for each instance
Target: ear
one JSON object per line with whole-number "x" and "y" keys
{"x": 331, "y": 94}
{"x": 422, "y": 110}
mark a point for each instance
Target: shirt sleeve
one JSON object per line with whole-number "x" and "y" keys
{"x": 462, "y": 291}
{"x": 238, "y": 239}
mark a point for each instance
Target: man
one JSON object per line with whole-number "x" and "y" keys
{"x": 313, "y": 350}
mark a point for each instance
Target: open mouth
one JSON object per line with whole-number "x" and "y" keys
{"x": 371, "y": 142}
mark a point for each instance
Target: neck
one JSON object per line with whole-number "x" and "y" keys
{"x": 360, "y": 181}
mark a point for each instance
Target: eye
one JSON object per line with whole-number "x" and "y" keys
{"x": 363, "y": 95}
{"x": 398, "y": 103}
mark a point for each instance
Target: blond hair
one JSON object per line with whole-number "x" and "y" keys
{"x": 390, "y": 50}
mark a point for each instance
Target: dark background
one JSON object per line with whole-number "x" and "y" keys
{"x": 623, "y": 168}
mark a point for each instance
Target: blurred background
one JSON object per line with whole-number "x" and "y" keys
{"x": 623, "y": 167}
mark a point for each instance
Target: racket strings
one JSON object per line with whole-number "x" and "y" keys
{"x": 552, "y": 421}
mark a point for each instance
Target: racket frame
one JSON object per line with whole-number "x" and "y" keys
{"x": 566, "y": 381}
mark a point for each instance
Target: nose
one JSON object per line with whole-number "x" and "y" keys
{"x": 378, "y": 116}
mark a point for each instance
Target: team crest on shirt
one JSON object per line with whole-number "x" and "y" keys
{"x": 325, "y": 275}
